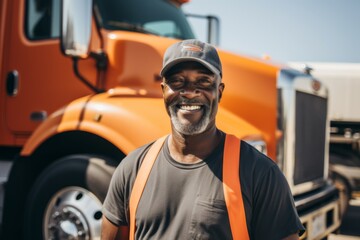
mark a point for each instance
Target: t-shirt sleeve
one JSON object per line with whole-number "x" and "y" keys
{"x": 274, "y": 213}
{"x": 115, "y": 205}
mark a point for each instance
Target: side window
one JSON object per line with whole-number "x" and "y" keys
{"x": 42, "y": 19}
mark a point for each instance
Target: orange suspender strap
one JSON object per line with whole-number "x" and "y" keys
{"x": 140, "y": 181}
{"x": 232, "y": 188}
{"x": 231, "y": 185}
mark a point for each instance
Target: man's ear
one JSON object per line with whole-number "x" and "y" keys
{"x": 162, "y": 86}
{"x": 221, "y": 89}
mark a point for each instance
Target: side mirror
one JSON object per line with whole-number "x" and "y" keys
{"x": 75, "y": 31}
{"x": 209, "y": 23}
{"x": 214, "y": 29}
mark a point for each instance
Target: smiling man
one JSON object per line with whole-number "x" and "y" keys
{"x": 191, "y": 94}
{"x": 183, "y": 186}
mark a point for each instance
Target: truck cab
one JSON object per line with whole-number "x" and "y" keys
{"x": 82, "y": 90}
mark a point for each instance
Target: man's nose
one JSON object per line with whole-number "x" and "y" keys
{"x": 189, "y": 91}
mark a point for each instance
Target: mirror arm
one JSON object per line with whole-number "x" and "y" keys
{"x": 101, "y": 59}
{"x": 216, "y": 31}
{"x": 82, "y": 78}
{"x": 210, "y": 39}
{"x": 98, "y": 28}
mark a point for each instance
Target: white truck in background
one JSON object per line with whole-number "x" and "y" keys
{"x": 343, "y": 82}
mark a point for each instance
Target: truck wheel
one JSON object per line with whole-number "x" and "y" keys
{"x": 65, "y": 201}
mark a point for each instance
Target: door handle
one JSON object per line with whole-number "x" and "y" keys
{"x": 12, "y": 83}
{"x": 38, "y": 116}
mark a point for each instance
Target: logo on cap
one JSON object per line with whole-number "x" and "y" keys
{"x": 191, "y": 47}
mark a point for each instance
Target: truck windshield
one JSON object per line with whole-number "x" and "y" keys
{"x": 158, "y": 17}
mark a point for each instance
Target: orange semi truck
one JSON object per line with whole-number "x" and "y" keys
{"x": 80, "y": 89}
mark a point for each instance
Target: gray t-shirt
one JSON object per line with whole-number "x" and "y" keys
{"x": 186, "y": 201}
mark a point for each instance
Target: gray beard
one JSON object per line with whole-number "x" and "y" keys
{"x": 190, "y": 129}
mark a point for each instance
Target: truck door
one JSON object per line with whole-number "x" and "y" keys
{"x": 39, "y": 79}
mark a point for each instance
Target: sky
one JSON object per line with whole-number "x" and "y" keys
{"x": 286, "y": 30}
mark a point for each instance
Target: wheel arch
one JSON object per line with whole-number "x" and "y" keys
{"x": 26, "y": 169}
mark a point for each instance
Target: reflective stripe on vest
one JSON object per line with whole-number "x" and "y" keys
{"x": 231, "y": 186}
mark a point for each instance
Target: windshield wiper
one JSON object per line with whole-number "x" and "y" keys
{"x": 131, "y": 27}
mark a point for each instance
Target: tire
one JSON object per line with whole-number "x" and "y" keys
{"x": 65, "y": 201}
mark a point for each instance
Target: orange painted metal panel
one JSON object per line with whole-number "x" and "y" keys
{"x": 126, "y": 118}
{"x": 251, "y": 92}
{"x": 132, "y": 114}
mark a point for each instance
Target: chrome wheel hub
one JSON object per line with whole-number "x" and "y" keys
{"x": 73, "y": 213}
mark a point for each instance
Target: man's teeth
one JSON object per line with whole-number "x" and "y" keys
{"x": 189, "y": 108}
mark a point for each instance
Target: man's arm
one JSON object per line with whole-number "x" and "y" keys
{"x": 108, "y": 230}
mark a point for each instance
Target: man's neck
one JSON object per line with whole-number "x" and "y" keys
{"x": 193, "y": 148}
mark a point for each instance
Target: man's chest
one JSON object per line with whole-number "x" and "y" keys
{"x": 182, "y": 203}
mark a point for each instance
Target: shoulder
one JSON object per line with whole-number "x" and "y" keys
{"x": 133, "y": 160}
{"x": 127, "y": 169}
{"x": 258, "y": 172}
{"x": 253, "y": 160}
{"x": 125, "y": 173}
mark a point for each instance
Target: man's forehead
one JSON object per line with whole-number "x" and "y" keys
{"x": 191, "y": 65}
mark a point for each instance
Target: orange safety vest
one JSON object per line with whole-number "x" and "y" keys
{"x": 231, "y": 186}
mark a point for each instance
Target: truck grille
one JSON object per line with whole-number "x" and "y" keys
{"x": 310, "y": 133}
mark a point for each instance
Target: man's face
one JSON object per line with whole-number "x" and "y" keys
{"x": 191, "y": 94}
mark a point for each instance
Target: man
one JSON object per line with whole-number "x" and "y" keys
{"x": 184, "y": 196}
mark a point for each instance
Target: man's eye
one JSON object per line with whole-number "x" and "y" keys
{"x": 205, "y": 82}
{"x": 175, "y": 83}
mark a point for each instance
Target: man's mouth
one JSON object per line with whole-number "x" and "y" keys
{"x": 189, "y": 108}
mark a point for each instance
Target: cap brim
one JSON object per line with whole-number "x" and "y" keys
{"x": 171, "y": 64}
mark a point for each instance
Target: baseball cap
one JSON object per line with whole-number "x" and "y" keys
{"x": 192, "y": 50}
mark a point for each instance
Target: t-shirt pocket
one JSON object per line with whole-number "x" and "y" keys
{"x": 209, "y": 220}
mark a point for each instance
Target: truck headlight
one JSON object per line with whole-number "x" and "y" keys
{"x": 259, "y": 144}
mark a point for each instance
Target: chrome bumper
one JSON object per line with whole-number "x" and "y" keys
{"x": 319, "y": 212}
